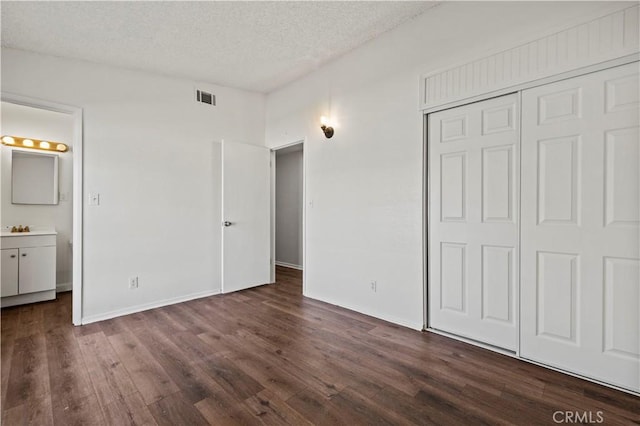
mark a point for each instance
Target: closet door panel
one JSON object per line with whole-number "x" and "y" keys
{"x": 579, "y": 226}
{"x": 473, "y": 215}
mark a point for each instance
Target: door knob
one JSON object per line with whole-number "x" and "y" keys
{"x": 226, "y": 223}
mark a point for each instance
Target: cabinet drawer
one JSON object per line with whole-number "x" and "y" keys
{"x": 28, "y": 241}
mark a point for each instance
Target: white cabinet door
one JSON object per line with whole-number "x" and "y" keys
{"x": 9, "y": 272}
{"x": 473, "y": 220}
{"x": 580, "y": 215}
{"x": 37, "y": 269}
{"x": 246, "y": 209}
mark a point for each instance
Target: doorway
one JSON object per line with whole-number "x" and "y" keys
{"x": 27, "y": 118}
{"x": 288, "y": 195}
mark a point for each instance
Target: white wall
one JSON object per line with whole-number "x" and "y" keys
{"x": 35, "y": 123}
{"x": 152, "y": 154}
{"x": 364, "y": 186}
{"x": 289, "y": 208}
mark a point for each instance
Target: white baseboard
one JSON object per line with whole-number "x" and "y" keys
{"x": 62, "y": 287}
{"x": 145, "y": 307}
{"x": 384, "y": 317}
{"x": 289, "y": 265}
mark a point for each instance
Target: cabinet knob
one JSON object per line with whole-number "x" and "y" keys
{"x": 12, "y": 256}
{"x": 24, "y": 254}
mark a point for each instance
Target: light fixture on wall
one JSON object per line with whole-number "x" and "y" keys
{"x": 328, "y": 130}
{"x": 19, "y": 142}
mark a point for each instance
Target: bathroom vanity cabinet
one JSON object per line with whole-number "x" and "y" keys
{"x": 28, "y": 267}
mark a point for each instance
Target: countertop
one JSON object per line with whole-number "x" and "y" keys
{"x": 30, "y": 233}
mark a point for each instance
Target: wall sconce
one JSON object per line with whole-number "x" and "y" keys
{"x": 328, "y": 130}
{"x": 18, "y": 142}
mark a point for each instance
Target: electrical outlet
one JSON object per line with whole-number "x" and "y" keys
{"x": 133, "y": 283}
{"x": 374, "y": 286}
{"x": 94, "y": 199}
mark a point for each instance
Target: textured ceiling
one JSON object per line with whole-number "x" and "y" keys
{"x": 250, "y": 45}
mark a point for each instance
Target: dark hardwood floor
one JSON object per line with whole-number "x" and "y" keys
{"x": 270, "y": 356}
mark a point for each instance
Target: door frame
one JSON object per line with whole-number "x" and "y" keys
{"x": 304, "y": 209}
{"x": 77, "y": 152}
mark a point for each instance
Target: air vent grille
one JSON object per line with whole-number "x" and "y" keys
{"x": 205, "y": 97}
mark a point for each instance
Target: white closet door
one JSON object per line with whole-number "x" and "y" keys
{"x": 580, "y": 215}
{"x": 473, "y": 219}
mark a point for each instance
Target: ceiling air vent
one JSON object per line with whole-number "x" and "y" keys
{"x": 205, "y": 98}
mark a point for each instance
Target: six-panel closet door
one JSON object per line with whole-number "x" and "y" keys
{"x": 580, "y": 278}
{"x": 473, "y": 220}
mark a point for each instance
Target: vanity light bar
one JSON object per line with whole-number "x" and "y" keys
{"x": 19, "y": 142}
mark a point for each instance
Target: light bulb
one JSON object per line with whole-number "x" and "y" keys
{"x": 45, "y": 145}
{"x": 61, "y": 147}
{"x": 8, "y": 140}
{"x": 27, "y": 142}
{"x": 324, "y": 120}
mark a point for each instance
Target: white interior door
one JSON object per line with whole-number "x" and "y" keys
{"x": 246, "y": 215}
{"x": 580, "y": 215}
{"x": 473, "y": 220}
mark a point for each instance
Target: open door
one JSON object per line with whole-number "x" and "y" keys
{"x": 246, "y": 216}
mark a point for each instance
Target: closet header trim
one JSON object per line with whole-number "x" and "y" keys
{"x": 603, "y": 39}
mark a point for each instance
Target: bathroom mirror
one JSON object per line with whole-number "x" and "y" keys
{"x": 34, "y": 178}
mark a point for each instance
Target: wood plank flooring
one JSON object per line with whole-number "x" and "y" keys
{"x": 270, "y": 356}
